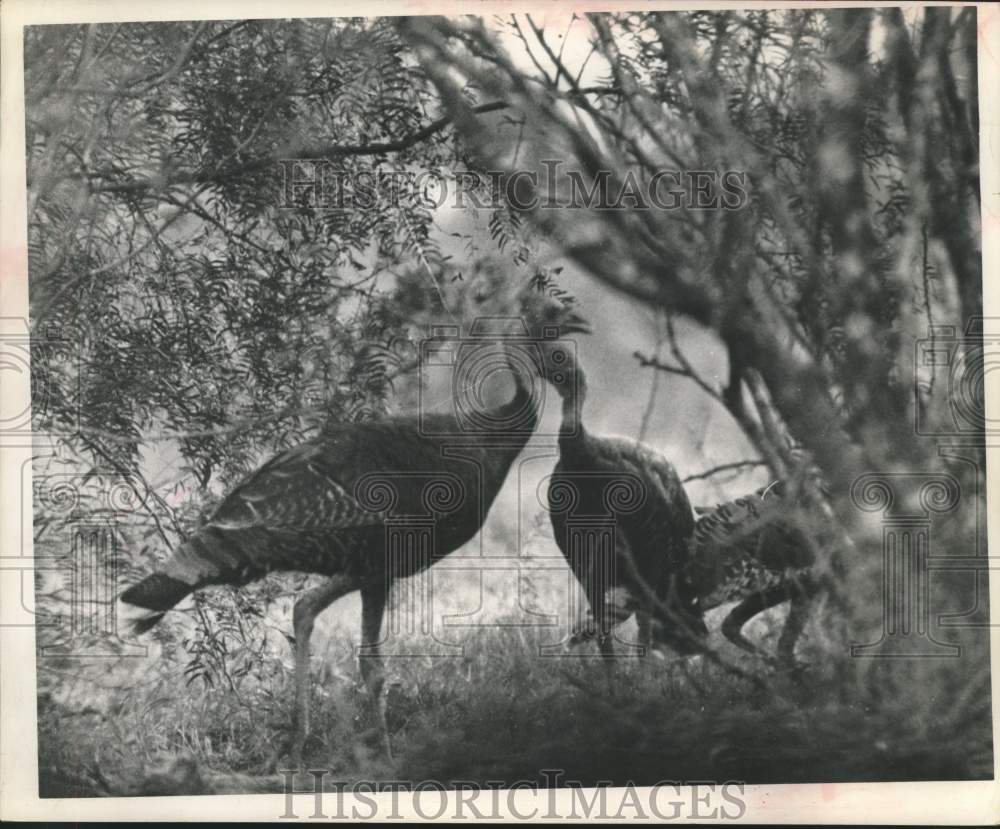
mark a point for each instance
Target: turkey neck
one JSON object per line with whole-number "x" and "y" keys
{"x": 522, "y": 409}
{"x": 571, "y": 431}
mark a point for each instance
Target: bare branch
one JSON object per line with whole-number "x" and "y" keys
{"x": 724, "y": 467}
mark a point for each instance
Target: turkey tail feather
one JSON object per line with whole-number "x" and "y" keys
{"x": 201, "y": 560}
{"x": 156, "y": 592}
{"x": 144, "y": 604}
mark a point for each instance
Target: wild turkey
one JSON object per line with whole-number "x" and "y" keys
{"x": 326, "y": 505}
{"x": 743, "y": 550}
{"x": 746, "y": 550}
{"x": 622, "y": 519}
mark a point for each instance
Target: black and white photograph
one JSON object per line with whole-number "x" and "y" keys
{"x": 533, "y": 412}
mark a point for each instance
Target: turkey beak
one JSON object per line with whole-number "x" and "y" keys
{"x": 575, "y": 324}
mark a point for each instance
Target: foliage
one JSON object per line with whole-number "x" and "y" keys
{"x": 203, "y": 307}
{"x": 503, "y": 714}
{"x": 209, "y": 317}
{"x": 215, "y": 320}
{"x": 854, "y": 131}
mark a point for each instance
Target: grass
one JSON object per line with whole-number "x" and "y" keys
{"x": 501, "y": 712}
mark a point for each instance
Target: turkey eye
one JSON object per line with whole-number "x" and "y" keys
{"x": 559, "y": 357}
{"x": 558, "y": 377}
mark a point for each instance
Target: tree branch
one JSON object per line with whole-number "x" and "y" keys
{"x": 724, "y": 467}
{"x": 318, "y": 153}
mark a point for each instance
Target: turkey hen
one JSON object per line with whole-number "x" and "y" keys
{"x": 623, "y": 521}
{"x": 747, "y": 551}
{"x": 326, "y": 505}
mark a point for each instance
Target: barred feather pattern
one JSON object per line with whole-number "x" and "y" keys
{"x": 302, "y": 510}
{"x": 738, "y": 549}
{"x": 746, "y": 546}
